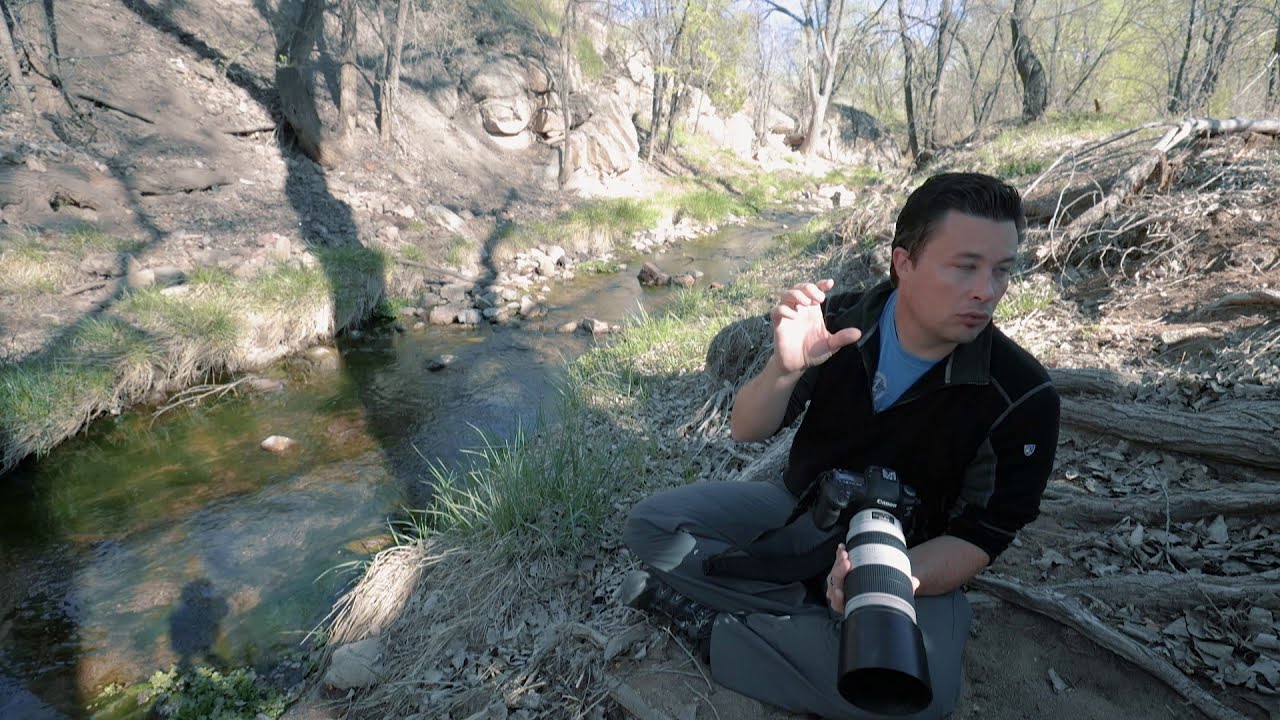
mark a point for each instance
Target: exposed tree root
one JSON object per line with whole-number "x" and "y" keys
{"x": 1070, "y": 612}
{"x": 1237, "y": 500}
{"x": 1175, "y": 591}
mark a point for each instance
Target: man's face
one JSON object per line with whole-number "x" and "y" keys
{"x": 949, "y": 292}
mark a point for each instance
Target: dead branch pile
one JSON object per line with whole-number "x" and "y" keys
{"x": 1092, "y": 234}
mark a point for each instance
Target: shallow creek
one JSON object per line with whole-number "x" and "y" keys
{"x": 151, "y": 541}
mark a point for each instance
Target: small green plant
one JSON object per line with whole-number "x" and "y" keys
{"x": 858, "y": 175}
{"x": 593, "y": 66}
{"x": 199, "y": 693}
{"x": 599, "y": 267}
{"x": 1023, "y": 299}
{"x": 1018, "y": 168}
{"x": 412, "y": 253}
{"x": 416, "y": 226}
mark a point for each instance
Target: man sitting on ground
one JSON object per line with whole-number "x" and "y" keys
{"x": 910, "y": 375}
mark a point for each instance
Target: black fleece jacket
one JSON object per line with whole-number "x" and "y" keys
{"x": 975, "y": 435}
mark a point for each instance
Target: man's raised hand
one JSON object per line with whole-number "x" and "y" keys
{"x": 800, "y": 336}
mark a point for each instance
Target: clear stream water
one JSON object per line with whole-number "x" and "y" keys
{"x": 146, "y": 542}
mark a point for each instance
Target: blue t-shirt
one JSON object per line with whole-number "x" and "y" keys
{"x": 897, "y": 369}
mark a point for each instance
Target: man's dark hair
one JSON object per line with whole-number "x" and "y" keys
{"x": 970, "y": 193}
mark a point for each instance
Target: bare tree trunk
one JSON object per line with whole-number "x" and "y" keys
{"x": 1219, "y": 49}
{"x": 1177, "y": 98}
{"x": 1035, "y": 86}
{"x": 678, "y": 93}
{"x": 825, "y": 60}
{"x": 297, "y": 102}
{"x": 1273, "y": 78}
{"x": 568, "y": 22}
{"x": 655, "y": 119}
{"x": 913, "y": 141}
{"x": 348, "y": 90}
{"x": 391, "y": 73}
{"x": 17, "y": 81}
{"x": 942, "y": 50}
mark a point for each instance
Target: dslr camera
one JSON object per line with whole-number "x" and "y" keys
{"x": 883, "y": 667}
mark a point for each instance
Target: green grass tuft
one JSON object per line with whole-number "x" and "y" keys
{"x": 548, "y": 493}
{"x": 1024, "y": 298}
{"x": 599, "y": 267}
{"x": 459, "y": 251}
{"x": 593, "y": 66}
{"x": 713, "y": 206}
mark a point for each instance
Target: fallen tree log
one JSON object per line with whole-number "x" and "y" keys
{"x": 1057, "y": 250}
{"x": 1068, "y": 611}
{"x": 1237, "y": 500}
{"x": 1248, "y": 433}
{"x": 1245, "y": 432}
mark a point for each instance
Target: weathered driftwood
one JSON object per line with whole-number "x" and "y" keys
{"x": 1070, "y": 612}
{"x": 1176, "y": 591}
{"x": 1247, "y": 432}
{"x": 1238, "y": 500}
{"x": 1059, "y": 248}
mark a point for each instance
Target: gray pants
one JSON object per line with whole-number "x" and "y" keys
{"x": 770, "y": 642}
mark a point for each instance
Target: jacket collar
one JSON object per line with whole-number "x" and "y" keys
{"x": 968, "y": 364}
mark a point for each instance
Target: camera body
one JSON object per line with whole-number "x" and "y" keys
{"x": 843, "y": 493}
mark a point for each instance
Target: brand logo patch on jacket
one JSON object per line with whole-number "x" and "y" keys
{"x": 1028, "y": 449}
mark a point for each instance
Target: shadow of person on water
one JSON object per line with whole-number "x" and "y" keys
{"x": 194, "y": 625}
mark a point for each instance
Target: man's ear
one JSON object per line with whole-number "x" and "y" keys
{"x": 901, "y": 260}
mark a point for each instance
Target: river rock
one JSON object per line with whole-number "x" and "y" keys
{"x": 167, "y": 275}
{"x": 322, "y": 357}
{"x": 443, "y": 315}
{"x": 104, "y": 264}
{"x": 684, "y": 281}
{"x": 261, "y": 384}
{"x": 137, "y": 277}
{"x": 470, "y": 316}
{"x": 454, "y": 292}
{"x": 568, "y": 327}
{"x": 546, "y": 266}
{"x": 355, "y": 665}
{"x": 278, "y": 444}
{"x": 440, "y": 362}
{"x": 594, "y": 326}
{"x": 530, "y": 309}
{"x": 651, "y": 275}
